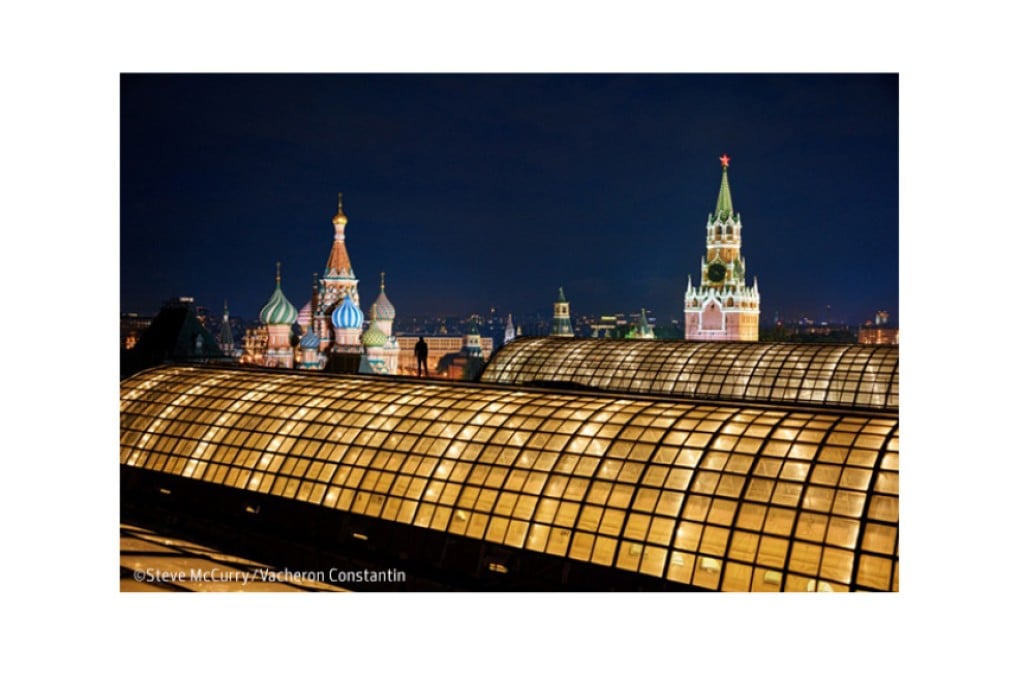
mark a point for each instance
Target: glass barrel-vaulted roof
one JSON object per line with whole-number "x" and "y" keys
{"x": 858, "y": 376}
{"x": 722, "y": 497}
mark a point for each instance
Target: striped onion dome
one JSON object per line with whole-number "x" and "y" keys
{"x": 347, "y": 315}
{"x": 278, "y": 311}
{"x": 374, "y": 336}
{"x": 310, "y": 340}
{"x": 382, "y": 308}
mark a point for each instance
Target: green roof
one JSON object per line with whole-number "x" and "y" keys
{"x": 724, "y": 204}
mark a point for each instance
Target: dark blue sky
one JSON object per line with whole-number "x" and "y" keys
{"x": 479, "y": 190}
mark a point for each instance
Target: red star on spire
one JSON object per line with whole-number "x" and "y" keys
{"x": 725, "y": 160}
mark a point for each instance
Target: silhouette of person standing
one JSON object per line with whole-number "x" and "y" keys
{"x": 421, "y": 353}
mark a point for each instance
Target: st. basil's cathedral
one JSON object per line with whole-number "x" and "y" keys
{"x": 330, "y": 322}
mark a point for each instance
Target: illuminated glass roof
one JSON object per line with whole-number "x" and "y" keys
{"x": 721, "y": 497}
{"x": 861, "y": 376}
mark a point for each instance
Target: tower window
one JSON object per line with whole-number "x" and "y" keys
{"x": 729, "y": 230}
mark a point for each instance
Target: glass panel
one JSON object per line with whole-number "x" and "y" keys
{"x": 661, "y": 531}
{"x": 743, "y": 546}
{"x": 653, "y": 561}
{"x": 837, "y": 565}
{"x": 605, "y": 549}
{"x": 874, "y": 572}
{"x": 559, "y": 539}
{"x": 842, "y": 532}
{"x": 879, "y": 538}
{"x": 707, "y": 572}
{"x": 737, "y": 578}
{"x": 772, "y": 552}
{"x": 680, "y": 567}
{"x": 612, "y": 522}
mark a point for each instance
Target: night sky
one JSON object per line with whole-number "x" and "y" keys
{"x": 472, "y": 191}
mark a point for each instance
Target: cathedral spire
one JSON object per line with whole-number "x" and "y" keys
{"x": 340, "y": 217}
{"x": 338, "y": 266}
{"x": 724, "y": 204}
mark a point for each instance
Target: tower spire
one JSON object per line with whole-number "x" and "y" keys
{"x": 339, "y": 263}
{"x": 226, "y": 338}
{"x": 724, "y": 204}
{"x": 277, "y": 274}
{"x": 340, "y": 217}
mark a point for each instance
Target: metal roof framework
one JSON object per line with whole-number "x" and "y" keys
{"x": 716, "y": 496}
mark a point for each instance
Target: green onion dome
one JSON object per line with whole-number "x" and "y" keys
{"x": 278, "y": 311}
{"x": 374, "y": 336}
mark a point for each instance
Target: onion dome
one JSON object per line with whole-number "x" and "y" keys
{"x": 278, "y": 311}
{"x": 310, "y": 340}
{"x": 347, "y": 315}
{"x": 382, "y": 308}
{"x": 374, "y": 336}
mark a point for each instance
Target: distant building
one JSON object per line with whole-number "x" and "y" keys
{"x": 607, "y": 326}
{"x": 439, "y": 346}
{"x": 509, "y": 333}
{"x": 468, "y": 363}
{"x": 878, "y": 335}
{"x": 131, "y": 328}
{"x": 175, "y": 334}
{"x": 643, "y": 330}
{"x": 561, "y": 327}
{"x": 722, "y": 307}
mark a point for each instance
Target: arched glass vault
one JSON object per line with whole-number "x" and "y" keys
{"x": 857, "y": 376}
{"x": 723, "y": 497}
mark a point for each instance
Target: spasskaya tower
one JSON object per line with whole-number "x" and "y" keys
{"x": 723, "y": 306}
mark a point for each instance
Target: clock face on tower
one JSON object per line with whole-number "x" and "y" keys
{"x": 716, "y": 272}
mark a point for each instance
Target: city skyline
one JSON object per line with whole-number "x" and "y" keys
{"x": 495, "y": 190}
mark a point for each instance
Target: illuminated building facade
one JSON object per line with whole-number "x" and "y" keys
{"x": 722, "y": 307}
{"x": 561, "y": 327}
{"x": 439, "y": 347}
{"x": 131, "y": 328}
{"x": 878, "y": 333}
